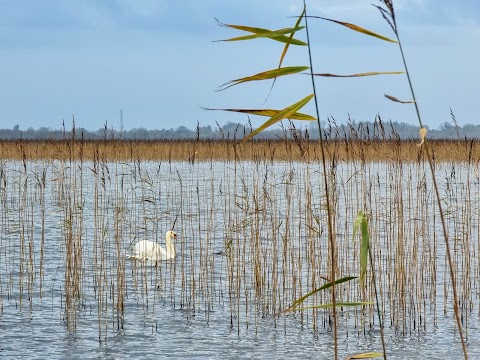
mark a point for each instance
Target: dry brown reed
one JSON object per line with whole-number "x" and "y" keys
{"x": 388, "y": 150}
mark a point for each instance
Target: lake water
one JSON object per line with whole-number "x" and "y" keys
{"x": 251, "y": 239}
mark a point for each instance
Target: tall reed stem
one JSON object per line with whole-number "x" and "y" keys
{"x": 331, "y": 236}
{"x": 393, "y": 24}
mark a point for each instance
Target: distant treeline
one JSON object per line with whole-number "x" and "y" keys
{"x": 377, "y": 129}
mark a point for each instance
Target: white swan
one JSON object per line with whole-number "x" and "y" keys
{"x": 147, "y": 250}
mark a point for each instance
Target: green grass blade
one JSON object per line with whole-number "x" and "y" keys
{"x": 393, "y": 98}
{"x": 274, "y": 35}
{"x": 265, "y": 75}
{"x": 358, "y": 28}
{"x": 284, "y": 114}
{"x": 373, "y": 73}
{"x": 267, "y": 112}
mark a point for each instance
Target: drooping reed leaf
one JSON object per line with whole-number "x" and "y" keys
{"x": 326, "y": 286}
{"x": 373, "y": 73}
{"x": 278, "y": 35}
{"x": 255, "y": 30}
{"x": 268, "y": 112}
{"x": 287, "y": 45}
{"x": 393, "y": 98}
{"x": 357, "y": 28}
{"x": 365, "y": 244}
{"x": 290, "y": 39}
{"x": 357, "y": 224}
{"x": 270, "y": 74}
{"x": 362, "y": 225}
{"x": 370, "y": 355}
{"x": 283, "y": 114}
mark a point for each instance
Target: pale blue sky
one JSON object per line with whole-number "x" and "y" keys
{"x": 156, "y": 60}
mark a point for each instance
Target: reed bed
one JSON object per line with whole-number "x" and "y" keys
{"x": 229, "y": 150}
{"x": 251, "y": 221}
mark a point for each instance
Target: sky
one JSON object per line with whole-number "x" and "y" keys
{"x": 158, "y": 62}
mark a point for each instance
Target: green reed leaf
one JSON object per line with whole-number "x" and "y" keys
{"x": 357, "y": 224}
{"x": 278, "y": 35}
{"x": 267, "y": 112}
{"x": 287, "y": 45}
{"x": 290, "y": 39}
{"x": 255, "y": 30}
{"x": 370, "y": 355}
{"x": 373, "y": 73}
{"x": 330, "y": 305}
{"x": 364, "y": 245}
{"x": 324, "y": 287}
{"x": 358, "y": 28}
{"x": 362, "y": 225}
{"x": 265, "y": 75}
{"x": 283, "y": 114}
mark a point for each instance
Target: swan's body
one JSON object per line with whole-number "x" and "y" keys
{"x": 147, "y": 250}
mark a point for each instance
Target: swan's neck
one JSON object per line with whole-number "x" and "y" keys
{"x": 170, "y": 247}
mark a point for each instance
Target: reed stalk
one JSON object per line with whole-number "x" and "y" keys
{"x": 331, "y": 235}
{"x": 389, "y": 15}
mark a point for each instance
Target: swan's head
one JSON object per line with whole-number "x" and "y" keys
{"x": 171, "y": 235}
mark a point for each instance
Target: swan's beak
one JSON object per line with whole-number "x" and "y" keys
{"x": 175, "y": 236}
